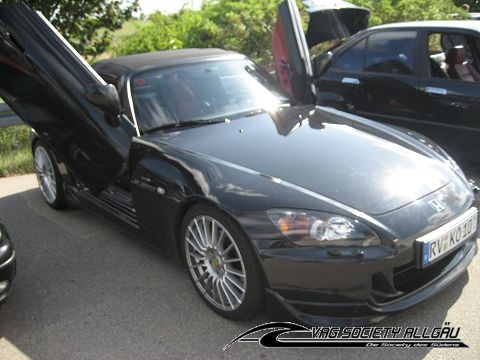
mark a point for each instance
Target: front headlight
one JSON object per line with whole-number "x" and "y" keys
{"x": 312, "y": 228}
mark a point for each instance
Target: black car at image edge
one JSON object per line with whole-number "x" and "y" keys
{"x": 7, "y": 264}
{"x": 325, "y": 217}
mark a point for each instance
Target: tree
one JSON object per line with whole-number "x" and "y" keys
{"x": 159, "y": 33}
{"x": 243, "y": 25}
{"x": 239, "y": 25}
{"x": 86, "y": 24}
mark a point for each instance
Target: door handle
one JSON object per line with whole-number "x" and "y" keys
{"x": 351, "y": 81}
{"x": 436, "y": 90}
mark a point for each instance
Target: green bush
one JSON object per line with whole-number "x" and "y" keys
{"x": 13, "y": 138}
{"x": 244, "y": 26}
{"x": 15, "y": 152}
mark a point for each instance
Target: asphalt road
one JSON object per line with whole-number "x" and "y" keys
{"x": 87, "y": 288}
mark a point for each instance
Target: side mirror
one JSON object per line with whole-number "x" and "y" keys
{"x": 105, "y": 97}
{"x": 321, "y": 64}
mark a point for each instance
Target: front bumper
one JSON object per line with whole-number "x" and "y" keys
{"x": 353, "y": 293}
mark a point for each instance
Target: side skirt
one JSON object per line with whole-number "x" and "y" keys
{"x": 114, "y": 201}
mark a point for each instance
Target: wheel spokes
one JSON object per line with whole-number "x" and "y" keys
{"x": 45, "y": 174}
{"x": 215, "y": 263}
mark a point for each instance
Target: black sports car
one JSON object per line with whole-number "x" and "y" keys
{"x": 324, "y": 216}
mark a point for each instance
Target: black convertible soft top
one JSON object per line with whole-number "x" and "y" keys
{"x": 112, "y": 69}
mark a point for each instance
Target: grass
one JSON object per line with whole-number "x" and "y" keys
{"x": 128, "y": 28}
{"x": 15, "y": 153}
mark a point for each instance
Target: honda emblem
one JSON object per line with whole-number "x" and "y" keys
{"x": 435, "y": 205}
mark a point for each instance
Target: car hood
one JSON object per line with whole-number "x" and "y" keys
{"x": 357, "y": 162}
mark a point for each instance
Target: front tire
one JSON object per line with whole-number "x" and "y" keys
{"x": 49, "y": 179}
{"x": 221, "y": 263}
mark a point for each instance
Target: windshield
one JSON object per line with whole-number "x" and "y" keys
{"x": 202, "y": 91}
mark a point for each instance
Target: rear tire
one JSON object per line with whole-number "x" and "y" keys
{"x": 221, "y": 263}
{"x": 49, "y": 179}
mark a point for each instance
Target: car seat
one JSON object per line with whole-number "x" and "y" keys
{"x": 458, "y": 67}
{"x": 183, "y": 102}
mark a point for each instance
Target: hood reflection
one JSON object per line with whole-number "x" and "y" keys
{"x": 287, "y": 119}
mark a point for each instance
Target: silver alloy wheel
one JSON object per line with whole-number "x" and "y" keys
{"x": 45, "y": 174}
{"x": 215, "y": 263}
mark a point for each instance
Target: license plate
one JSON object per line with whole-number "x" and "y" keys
{"x": 441, "y": 241}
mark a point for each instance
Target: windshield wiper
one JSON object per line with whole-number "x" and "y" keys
{"x": 187, "y": 123}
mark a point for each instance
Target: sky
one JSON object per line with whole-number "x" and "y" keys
{"x": 167, "y": 6}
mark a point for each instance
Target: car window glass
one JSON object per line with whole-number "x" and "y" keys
{"x": 455, "y": 54}
{"x": 436, "y": 56}
{"x": 201, "y": 91}
{"x": 449, "y": 40}
{"x": 352, "y": 59}
{"x": 391, "y": 52}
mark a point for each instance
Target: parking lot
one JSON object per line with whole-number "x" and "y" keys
{"x": 87, "y": 288}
